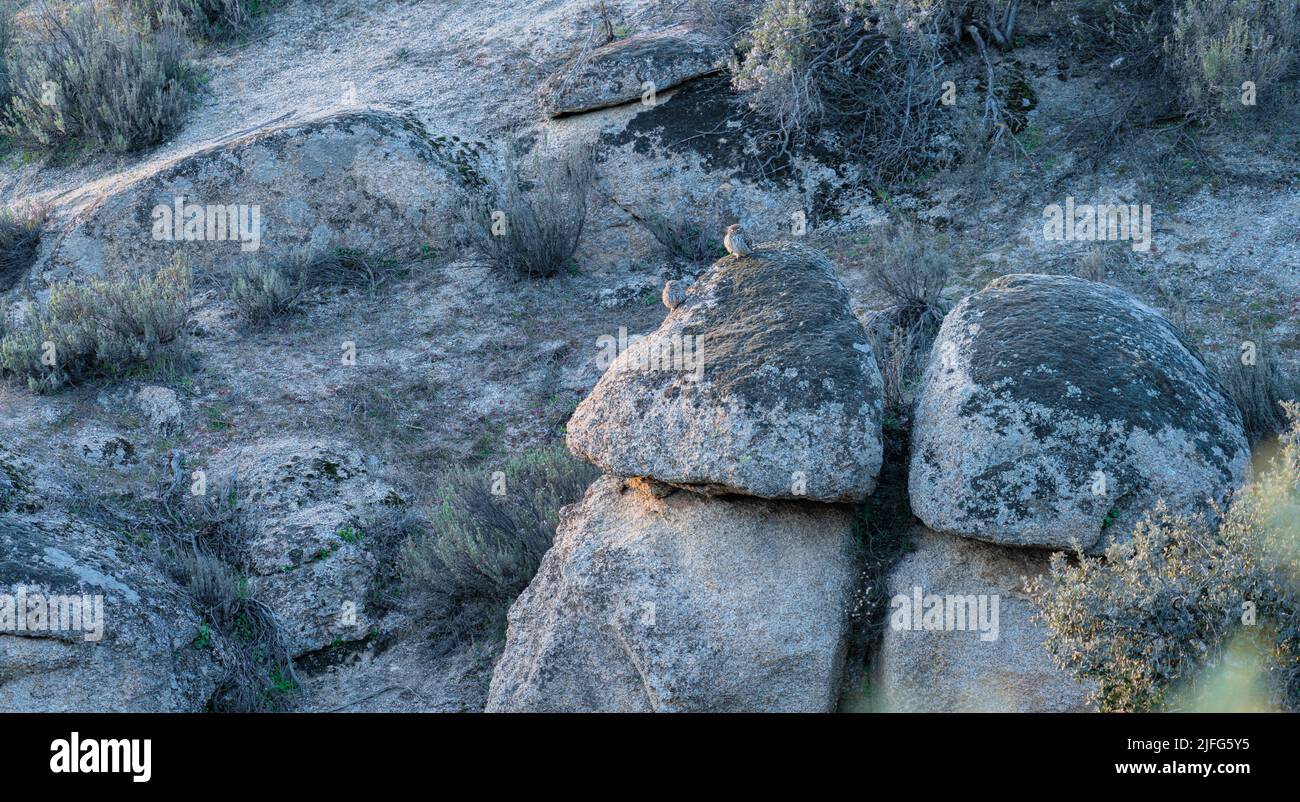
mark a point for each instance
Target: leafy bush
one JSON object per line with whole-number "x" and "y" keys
{"x": 20, "y": 238}
{"x": 481, "y": 549}
{"x": 1217, "y": 45}
{"x": 102, "y": 328}
{"x": 532, "y": 228}
{"x": 1153, "y": 621}
{"x": 92, "y": 78}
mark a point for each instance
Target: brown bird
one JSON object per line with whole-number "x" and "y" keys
{"x": 674, "y": 293}
{"x": 736, "y": 243}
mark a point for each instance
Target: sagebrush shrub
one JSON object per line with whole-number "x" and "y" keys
{"x": 689, "y": 239}
{"x": 1150, "y": 621}
{"x": 103, "y": 327}
{"x": 1216, "y": 46}
{"x": 92, "y": 78}
{"x": 480, "y": 548}
{"x": 263, "y": 294}
{"x": 908, "y": 269}
{"x": 531, "y": 226}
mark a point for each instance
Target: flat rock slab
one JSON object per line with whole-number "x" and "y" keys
{"x": 760, "y": 383}
{"x": 621, "y": 71}
{"x": 363, "y": 179}
{"x": 683, "y": 603}
{"x": 991, "y": 664}
{"x": 1056, "y": 411}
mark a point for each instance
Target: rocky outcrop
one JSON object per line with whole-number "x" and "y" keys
{"x": 367, "y": 180}
{"x": 682, "y": 603}
{"x": 760, "y": 383}
{"x": 624, "y": 70}
{"x": 86, "y": 625}
{"x": 960, "y": 634}
{"x": 1056, "y": 411}
{"x": 308, "y": 503}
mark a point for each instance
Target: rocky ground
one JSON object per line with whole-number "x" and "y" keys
{"x": 458, "y": 365}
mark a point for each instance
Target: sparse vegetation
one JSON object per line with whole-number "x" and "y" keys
{"x": 692, "y": 240}
{"x": 1254, "y": 379}
{"x": 263, "y": 294}
{"x": 20, "y": 237}
{"x": 102, "y": 328}
{"x": 484, "y": 541}
{"x": 530, "y": 227}
{"x": 91, "y": 78}
{"x": 1153, "y": 621}
{"x": 909, "y": 270}
{"x": 207, "y": 19}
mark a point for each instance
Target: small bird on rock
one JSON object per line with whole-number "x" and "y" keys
{"x": 675, "y": 293}
{"x": 736, "y": 243}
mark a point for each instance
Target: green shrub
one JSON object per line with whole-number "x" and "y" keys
{"x": 1215, "y": 46}
{"x": 531, "y": 227}
{"x": 92, "y": 78}
{"x": 102, "y": 328}
{"x": 20, "y": 238}
{"x": 1157, "y": 619}
{"x": 481, "y": 549}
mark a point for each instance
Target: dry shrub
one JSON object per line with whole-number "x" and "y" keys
{"x": 530, "y": 226}
{"x": 1215, "y": 46}
{"x": 862, "y": 78}
{"x": 909, "y": 270}
{"x": 20, "y": 238}
{"x": 1254, "y": 379}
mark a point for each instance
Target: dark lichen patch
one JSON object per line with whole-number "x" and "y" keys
{"x": 1069, "y": 344}
{"x": 704, "y": 118}
{"x": 780, "y": 308}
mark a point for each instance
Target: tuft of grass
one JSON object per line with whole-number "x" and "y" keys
{"x": 531, "y": 227}
{"x": 20, "y": 239}
{"x": 91, "y": 78}
{"x": 909, "y": 271}
{"x": 206, "y": 19}
{"x": 481, "y": 548}
{"x": 103, "y": 328}
{"x": 1254, "y": 380}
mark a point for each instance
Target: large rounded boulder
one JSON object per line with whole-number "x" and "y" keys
{"x": 364, "y": 179}
{"x": 1055, "y": 411}
{"x": 683, "y": 603}
{"x": 761, "y": 383}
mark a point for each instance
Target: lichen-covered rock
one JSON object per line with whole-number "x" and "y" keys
{"x": 623, "y": 70}
{"x": 1056, "y": 410}
{"x": 367, "y": 180}
{"x": 760, "y": 383}
{"x": 682, "y": 603}
{"x": 996, "y": 661}
{"x": 86, "y": 623}
{"x": 307, "y": 504}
